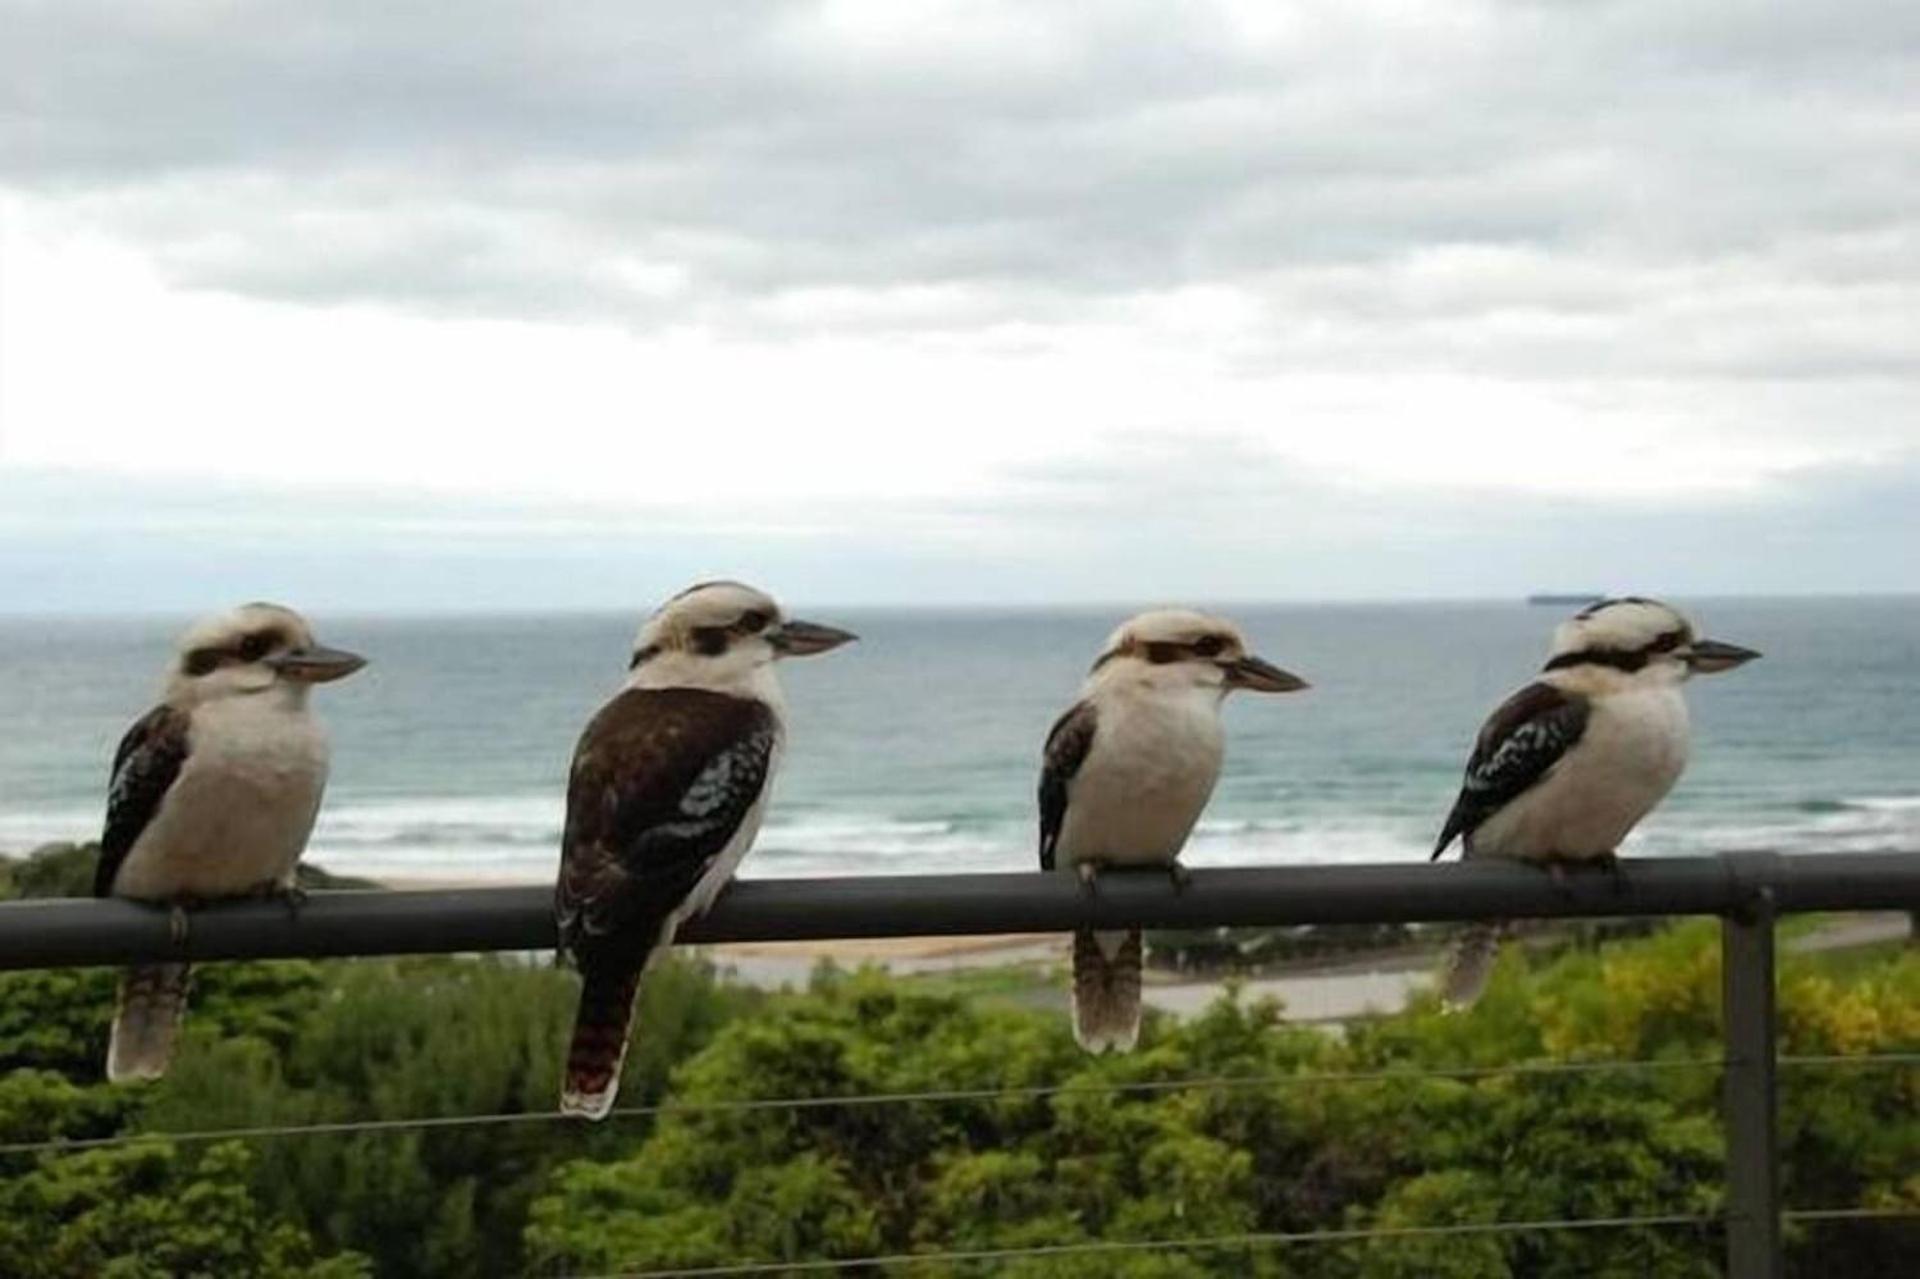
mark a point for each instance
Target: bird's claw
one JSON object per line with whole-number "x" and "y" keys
{"x": 288, "y": 893}
{"x": 178, "y": 925}
{"x": 1180, "y": 876}
{"x": 1089, "y": 873}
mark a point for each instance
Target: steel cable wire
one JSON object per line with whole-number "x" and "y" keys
{"x": 1209, "y": 1242}
{"x": 1252, "y": 1240}
{"x": 1018, "y": 1092}
{"x": 1022, "y": 1092}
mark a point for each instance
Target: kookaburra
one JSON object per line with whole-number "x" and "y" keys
{"x": 1568, "y": 765}
{"x": 1126, "y": 774}
{"x": 669, "y": 783}
{"x": 214, "y": 793}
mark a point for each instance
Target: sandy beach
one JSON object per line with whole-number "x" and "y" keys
{"x": 1316, "y": 992}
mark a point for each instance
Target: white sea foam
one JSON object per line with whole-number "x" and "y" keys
{"x": 517, "y": 837}
{"x": 1887, "y": 803}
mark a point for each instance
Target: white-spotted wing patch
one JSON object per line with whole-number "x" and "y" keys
{"x": 1530, "y": 733}
{"x": 1525, "y": 756}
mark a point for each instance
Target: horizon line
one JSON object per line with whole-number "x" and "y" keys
{"x": 8, "y": 614}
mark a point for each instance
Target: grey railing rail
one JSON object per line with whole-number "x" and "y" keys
{"x": 1747, "y": 891}
{"x": 73, "y": 932}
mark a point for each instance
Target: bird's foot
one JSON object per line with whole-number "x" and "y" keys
{"x": 287, "y": 892}
{"x": 1180, "y": 876}
{"x": 1089, "y": 873}
{"x": 1557, "y": 871}
{"x": 1610, "y": 862}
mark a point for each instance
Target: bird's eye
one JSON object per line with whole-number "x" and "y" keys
{"x": 1208, "y": 646}
{"x": 253, "y": 648}
{"x": 753, "y": 621}
{"x": 201, "y": 661}
{"x": 1666, "y": 643}
{"x": 709, "y": 641}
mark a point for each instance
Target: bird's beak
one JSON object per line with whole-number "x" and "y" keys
{"x": 317, "y": 664}
{"x": 1260, "y": 676}
{"x": 1709, "y": 657}
{"x": 795, "y": 638}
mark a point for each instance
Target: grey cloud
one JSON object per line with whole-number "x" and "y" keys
{"x": 1703, "y": 211}
{"x": 1122, "y": 149}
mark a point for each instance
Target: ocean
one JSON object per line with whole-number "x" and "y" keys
{"x": 916, "y": 750}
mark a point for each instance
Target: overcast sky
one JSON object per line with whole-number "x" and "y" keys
{"x": 373, "y": 305}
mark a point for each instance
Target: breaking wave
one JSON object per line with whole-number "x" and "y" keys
{"x": 517, "y": 838}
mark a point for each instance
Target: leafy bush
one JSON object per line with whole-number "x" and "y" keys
{"x": 295, "y": 1043}
{"x": 716, "y": 1184}
{"x": 1108, "y": 1156}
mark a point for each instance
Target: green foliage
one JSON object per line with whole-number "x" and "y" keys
{"x": 66, "y": 870}
{"x": 416, "y": 1038}
{"x": 294, "y": 1043}
{"x": 716, "y": 1184}
{"x": 53, "y": 870}
{"x": 146, "y": 1211}
{"x": 56, "y": 1019}
{"x": 714, "y": 1181}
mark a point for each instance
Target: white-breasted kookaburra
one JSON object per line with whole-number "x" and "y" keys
{"x": 1125, "y": 775}
{"x": 213, "y": 796}
{"x": 1567, "y": 766}
{"x": 669, "y": 783}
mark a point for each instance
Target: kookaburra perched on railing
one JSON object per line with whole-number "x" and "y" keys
{"x": 1126, "y": 774}
{"x": 669, "y": 784}
{"x": 1568, "y": 765}
{"x": 213, "y": 796}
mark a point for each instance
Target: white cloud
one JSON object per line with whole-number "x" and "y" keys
{"x": 792, "y": 262}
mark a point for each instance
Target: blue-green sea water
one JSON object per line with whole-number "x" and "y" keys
{"x": 916, "y": 750}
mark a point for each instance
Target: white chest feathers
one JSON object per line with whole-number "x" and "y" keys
{"x": 1146, "y": 778}
{"x": 237, "y": 817}
{"x": 1631, "y": 754}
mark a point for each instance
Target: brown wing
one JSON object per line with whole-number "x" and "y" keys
{"x": 144, "y": 767}
{"x": 1519, "y": 745}
{"x": 1067, "y": 746}
{"x": 662, "y": 779}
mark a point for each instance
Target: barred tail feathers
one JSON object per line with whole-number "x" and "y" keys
{"x": 1470, "y": 964}
{"x": 146, "y": 1021}
{"x": 599, "y": 1045}
{"x": 1106, "y": 989}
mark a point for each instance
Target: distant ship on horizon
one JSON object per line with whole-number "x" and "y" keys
{"x": 1564, "y": 599}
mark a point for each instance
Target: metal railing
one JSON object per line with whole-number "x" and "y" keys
{"x": 1747, "y": 891}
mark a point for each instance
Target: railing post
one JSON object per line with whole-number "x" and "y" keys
{"x": 1749, "y": 1100}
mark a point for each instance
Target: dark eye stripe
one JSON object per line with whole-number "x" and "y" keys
{"x": 1667, "y": 642}
{"x": 709, "y": 641}
{"x": 1160, "y": 652}
{"x": 752, "y": 622}
{"x": 202, "y": 661}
